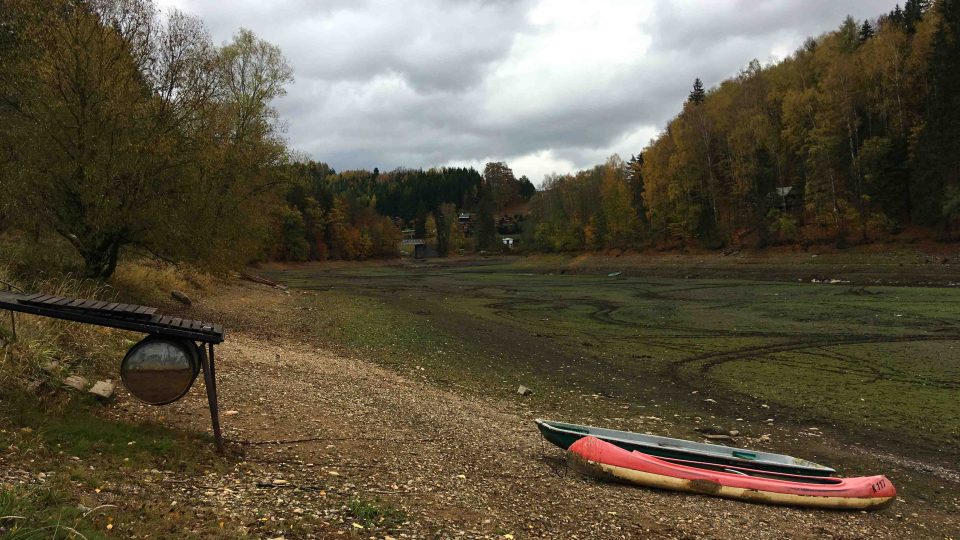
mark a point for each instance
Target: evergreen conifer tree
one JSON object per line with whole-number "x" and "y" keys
{"x": 937, "y": 173}
{"x": 866, "y": 31}
{"x": 697, "y": 95}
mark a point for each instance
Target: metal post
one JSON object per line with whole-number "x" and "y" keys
{"x": 210, "y": 378}
{"x": 13, "y": 319}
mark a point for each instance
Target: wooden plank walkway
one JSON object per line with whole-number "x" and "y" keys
{"x": 112, "y": 314}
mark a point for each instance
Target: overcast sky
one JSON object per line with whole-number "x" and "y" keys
{"x": 547, "y": 86}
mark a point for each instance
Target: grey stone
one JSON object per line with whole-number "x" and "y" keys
{"x": 524, "y": 391}
{"x": 181, "y": 297}
{"x": 103, "y": 389}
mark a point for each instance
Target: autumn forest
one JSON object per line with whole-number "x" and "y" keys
{"x": 119, "y": 130}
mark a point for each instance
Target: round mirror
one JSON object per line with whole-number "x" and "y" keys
{"x": 160, "y": 370}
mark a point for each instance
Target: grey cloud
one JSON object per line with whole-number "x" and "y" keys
{"x": 385, "y": 84}
{"x": 695, "y": 30}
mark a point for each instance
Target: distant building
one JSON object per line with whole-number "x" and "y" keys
{"x": 466, "y": 222}
{"x": 508, "y": 224}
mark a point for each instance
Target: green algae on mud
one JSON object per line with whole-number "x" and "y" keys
{"x": 878, "y": 363}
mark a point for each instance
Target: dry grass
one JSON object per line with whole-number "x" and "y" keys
{"x": 143, "y": 281}
{"x": 82, "y": 348}
{"x": 75, "y": 348}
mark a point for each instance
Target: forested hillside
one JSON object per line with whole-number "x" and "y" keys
{"x": 124, "y": 130}
{"x": 359, "y": 214}
{"x": 853, "y": 138}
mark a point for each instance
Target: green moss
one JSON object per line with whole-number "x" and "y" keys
{"x": 813, "y": 351}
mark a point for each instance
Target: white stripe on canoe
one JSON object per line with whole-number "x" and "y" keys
{"x": 743, "y": 494}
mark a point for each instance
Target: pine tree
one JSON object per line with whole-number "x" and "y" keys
{"x": 913, "y": 12}
{"x": 938, "y": 151}
{"x": 635, "y": 179}
{"x": 849, "y": 35}
{"x": 866, "y": 31}
{"x": 896, "y": 16}
{"x": 697, "y": 95}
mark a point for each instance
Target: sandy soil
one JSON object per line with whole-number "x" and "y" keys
{"x": 457, "y": 466}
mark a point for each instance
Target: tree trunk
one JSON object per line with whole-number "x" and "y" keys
{"x": 100, "y": 257}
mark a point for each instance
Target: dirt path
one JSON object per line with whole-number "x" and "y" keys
{"x": 457, "y": 466}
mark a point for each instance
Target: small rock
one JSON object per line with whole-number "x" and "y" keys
{"x": 524, "y": 391}
{"x": 734, "y": 432}
{"x": 711, "y": 430}
{"x": 50, "y": 366}
{"x": 103, "y": 389}
{"x": 231, "y": 413}
{"x": 76, "y": 382}
{"x": 181, "y": 297}
{"x": 279, "y": 482}
{"x": 718, "y": 437}
{"x": 709, "y": 400}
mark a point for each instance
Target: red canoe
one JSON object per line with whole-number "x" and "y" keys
{"x": 606, "y": 459}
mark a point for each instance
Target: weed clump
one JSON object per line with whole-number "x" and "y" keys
{"x": 376, "y": 513}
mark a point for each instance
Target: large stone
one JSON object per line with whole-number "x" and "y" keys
{"x": 181, "y": 297}
{"x": 524, "y": 391}
{"x": 76, "y": 382}
{"x": 103, "y": 389}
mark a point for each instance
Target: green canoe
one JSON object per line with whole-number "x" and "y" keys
{"x": 563, "y": 435}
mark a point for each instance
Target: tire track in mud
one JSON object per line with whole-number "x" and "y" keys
{"x": 714, "y": 359}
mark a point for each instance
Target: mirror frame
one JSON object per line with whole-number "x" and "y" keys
{"x": 195, "y": 353}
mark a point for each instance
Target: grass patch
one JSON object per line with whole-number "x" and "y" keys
{"x": 42, "y": 512}
{"x": 70, "y": 462}
{"x": 76, "y": 348}
{"x": 71, "y": 428}
{"x": 143, "y": 281}
{"x": 376, "y": 513}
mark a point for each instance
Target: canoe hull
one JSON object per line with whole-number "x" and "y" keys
{"x": 563, "y": 435}
{"x": 600, "y": 458}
